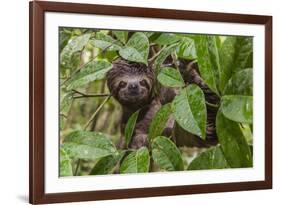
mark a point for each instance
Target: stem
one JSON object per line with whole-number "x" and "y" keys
{"x": 77, "y": 167}
{"x": 95, "y": 113}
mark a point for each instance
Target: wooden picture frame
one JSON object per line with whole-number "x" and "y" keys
{"x": 37, "y": 10}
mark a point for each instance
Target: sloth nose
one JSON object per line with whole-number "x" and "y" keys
{"x": 133, "y": 86}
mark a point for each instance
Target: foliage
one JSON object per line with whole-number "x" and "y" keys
{"x": 89, "y": 124}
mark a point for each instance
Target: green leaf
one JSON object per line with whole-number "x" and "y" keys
{"x": 121, "y": 35}
{"x": 148, "y": 33}
{"x": 75, "y": 45}
{"x": 190, "y": 110}
{"x": 166, "y": 154}
{"x": 241, "y": 83}
{"x": 107, "y": 164}
{"x": 238, "y": 108}
{"x": 186, "y": 49}
{"x": 132, "y": 54}
{"x": 136, "y": 162}
{"x": 94, "y": 70}
{"x": 159, "y": 121}
{"x": 88, "y": 145}
{"x": 163, "y": 55}
{"x": 170, "y": 77}
{"x": 130, "y": 126}
{"x": 105, "y": 45}
{"x": 65, "y": 164}
{"x": 105, "y": 42}
{"x": 136, "y": 49}
{"x": 65, "y": 102}
{"x": 233, "y": 143}
{"x": 247, "y": 132}
{"x": 208, "y": 60}
{"x": 234, "y": 55}
{"x": 212, "y": 158}
{"x": 166, "y": 39}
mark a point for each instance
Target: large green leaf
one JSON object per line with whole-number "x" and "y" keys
{"x": 166, "y": 39}
{"x": 105, "y": 45}
{"x": 88, "y": 145}
{"x": 65, "y": 164}
{"x": 170, "y": 77}
{"x": 189, "y": 109}
{"x": 121, "y": 35}
{"x": 159, "y": 121}
{"x": 234, "y": 55}
{"x": 136, "y": 162}
{"x": 238, "y": 108}
{"x": 130, "y": 126}
{"x": 212, "y": 158}
{"x": 74, "y": 45}
{"x": 208, "y": 60}
{"x": 92, "y": 71}
{"x": 186, "y": 49}
{"x": 107, "y": 164}
{"x": 241, "y": 83}
{"x": 132, "y": 54}
{"x": 105, "y": 42}
{"x": 233, "y": 143}
{"x": 136, "y": 49}
{"x": 166, "y": 154}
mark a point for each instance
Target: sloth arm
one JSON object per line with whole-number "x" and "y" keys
{"x": 143, "y": 124}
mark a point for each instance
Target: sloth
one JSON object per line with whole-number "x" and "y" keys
{"x": 133, "y": 86}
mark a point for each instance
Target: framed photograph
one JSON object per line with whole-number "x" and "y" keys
{"x": 139, "y": 102}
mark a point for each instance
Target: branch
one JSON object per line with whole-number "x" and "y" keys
{"x": 96, "y": 112}
{"x": 157, "y": 54}
{"x": 84, "y": 95}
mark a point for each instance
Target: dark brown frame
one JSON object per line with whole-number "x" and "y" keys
{"x": 37, "y": 95}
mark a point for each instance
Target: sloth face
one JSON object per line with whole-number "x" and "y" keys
{"x": 134, "y": 89}
{"x": 130, "y": 83}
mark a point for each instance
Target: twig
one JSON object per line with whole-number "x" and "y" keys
{"x": 91, "y": 96}
{"x": 174, "y": 57}
{"x": 63, "y": 115}
{"x": 96, "y": 112}
{"x": 84, "y": 95}
{"x": 157, "y": 54}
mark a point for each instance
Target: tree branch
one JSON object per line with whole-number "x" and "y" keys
{"x": 95, "y": 113}
{"x": 86, "y": 95}
{"x": 157, "y": 54}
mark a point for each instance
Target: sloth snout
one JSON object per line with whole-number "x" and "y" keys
{"x": 133, "y": 86}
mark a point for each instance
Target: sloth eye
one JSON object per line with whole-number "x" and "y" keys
{"x": 144, "y": 83}
{"x": 122, "y": 84}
